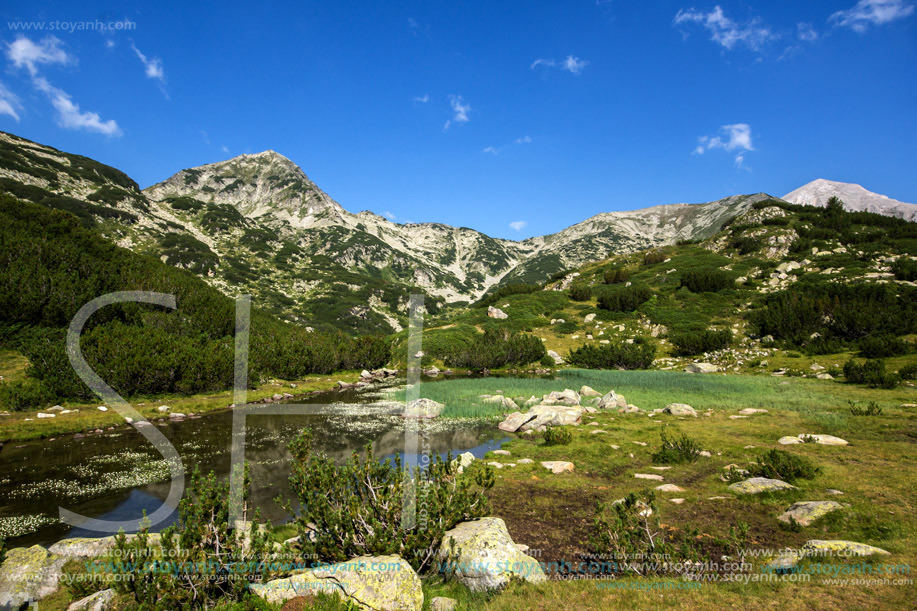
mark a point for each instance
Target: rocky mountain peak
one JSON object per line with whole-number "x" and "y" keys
{"x": 854, "y": 196}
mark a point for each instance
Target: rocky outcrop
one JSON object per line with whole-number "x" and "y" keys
{"x": 481, "y": 555}
{"x": 806, "y": 512}
{"x": 100, "y": 601}
{"x": 375, "y": 583}
{"x": 757, "y": 485}
{"x": 28, "y": 574}
{"x": 680, "y": 409}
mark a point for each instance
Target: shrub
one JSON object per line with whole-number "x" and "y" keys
{"x": 908, "y": 372}
{"x": 878, "y": 347}
{"x": 779, "y": 464}
{"x": 871, "y": 373}
{"x": 580, "y": 291}
{"x": 566, "y": 327}
{"x": 677, "y": 451}
{"x": 355, "y": 509}
{"x": 24, "y": 394}
{"x": 557, "y": 436}
{"x": 872, "y": 409}
{"x": 654, "y": 256}
{"x": 498, "y": 348}
{"x": 506, "y": 290}
{"x": 905, "y": 269}
{"x": 616, "y": 275}
{"x": 746, "y": 245}
{"x": 707, "y": 281}
{"x": 696, "y": 342}
{"x": 628, "y": 531}
{"x": 638, "y": 355}
{"x": 203, "y": 561}
{"x": 626, "y": 299}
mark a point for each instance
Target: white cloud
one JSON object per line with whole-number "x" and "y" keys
{"x": 389, "y": 215}
{"x": 23, "y": 52}
{"x": 69, "y": 115}
{"x": 109, "y": 43}
{"x": 490, "y": 150}
{"x": 871, "y": 12}
{"x": 518, "y": 225}
{"x": 806, "y": 33}
{"x": 152, "y": 65}
{"x": 225, "y": 149}
{"x": 572, "y": 64}
{"x": 422, "y": 99}
{"x": 461, "y": 110}
{"x": 725, "y": 31}
{"x": 9, "y": 102}
{"x": 412, "y": 23}
{"x": 523, "y": 140}
{"x": 735, "y": 137}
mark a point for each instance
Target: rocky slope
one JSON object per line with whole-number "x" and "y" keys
{"x": 257, "y": 224}
{"x": 855, "y": 197}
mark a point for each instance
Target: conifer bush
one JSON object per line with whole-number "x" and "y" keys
{"x": 355, "y": 509}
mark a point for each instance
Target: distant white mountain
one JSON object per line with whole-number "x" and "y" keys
{"x": 855, "y": 197}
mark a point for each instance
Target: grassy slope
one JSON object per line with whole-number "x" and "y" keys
{"x": 552, "y": 513}
{"x": 675, "y": 309}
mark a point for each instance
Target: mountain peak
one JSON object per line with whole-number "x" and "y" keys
{"x": 854, "y": 196}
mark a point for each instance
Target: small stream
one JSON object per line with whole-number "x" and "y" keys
{"x": 117, "y": 474}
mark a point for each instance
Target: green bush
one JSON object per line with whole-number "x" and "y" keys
{"x": 746, "y": 245}
{"x": 707, "y": 281}
{"x": 638, "y": 355}
{"x": 654, "y": 256}
{"x": 355, "y": 509}
{"x": 871, "y": 373}
{"x": 566, "y": 328}
{"x": 908, "y": 372}
{"x": 677, "y": 451}
{"x": 203, "y": 561}
{"x": 879, "y": 347}
{"x": 498, "y": 348}
{"x": 24, "y": 394}
{"x": 905, "y": 269}
{"x": 690, "y": 343}
{"x": 872, "y": 409}
{"x": 580, "y": 291}
{"x": 625, "y": 299}
{"x": 778, "y": 464}
{"x": 557, "y": 436}
{"x": 616, "y": 275}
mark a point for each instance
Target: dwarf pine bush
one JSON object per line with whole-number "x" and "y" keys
{"x": 355, "y": 509}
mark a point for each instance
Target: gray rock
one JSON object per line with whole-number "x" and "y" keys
{"x": 515, "y": 421}
{"x": 422, "y": 409}
{"x": 482, "y": 556}
{"x": 757, "y": 485}
{"x": 701, "y": 368}
{"x": 496, "y": 313}
{"x": 680, "y": 409}
{"x": 27, "y": 574}
{"x": 806, "y": 512}
{"x": 441, "y": 603}
{"x": 100, "y": 601}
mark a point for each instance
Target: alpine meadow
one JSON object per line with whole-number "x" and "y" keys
{"x": 519, "y": 378}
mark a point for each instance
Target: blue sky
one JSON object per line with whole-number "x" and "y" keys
{"x": 516, "y": 119}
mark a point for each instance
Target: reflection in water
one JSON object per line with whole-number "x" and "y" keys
{"x": 117, "y": 475}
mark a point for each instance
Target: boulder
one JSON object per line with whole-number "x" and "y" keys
{"x": 41, "y": 415}
{"x": 557, "y": 466}
{"x": 806, "y": 512}
{"x": 565, "y": 397}
{"x": 379, "y": 583}
{"x": 750, "y": 411}
{"x": 496, "y": 313}
{"x": 825, "y": 440}
{"x": 552, "y": 415}
{"x": 558, "y": 360}
{"x": 82, "y": 547}
{"x": 818, "y": 547}
{"x": 463, "y": 460}
{"x": 701, "y": 368}
{"x": 586, "y": 391}
{"x": 28, "y": 574}
{"x": 680, "y": 409}
{"x": 422, "y": 408}
{"x": 482, "y": 556}
{"x": 100, "y": 601}
{"x": 652, "y": 476}
{"x": 757, "y": 485}
{"x": 670, "y": 488}
{"x": 515, "y": 421}
{"x": 788, "y": 440}
{"x": 163, "y": 409}
{"x": 610, "y": 400}
{"x": 441, "y": 603}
